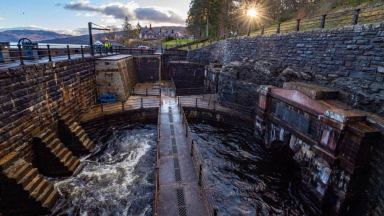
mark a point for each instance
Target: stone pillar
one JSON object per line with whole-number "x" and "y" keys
{"x": 262, "y": 107}
{"x": 4, "y": 53}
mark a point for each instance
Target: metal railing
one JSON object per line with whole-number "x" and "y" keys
{"x": 146, "y": 92}
{"x": 157, "y": 180}
{"x": 231, "y": 108}
{"x": 197, "y": 159}
{"x": 356, "y": 16}
{"x": 191, "y": 91}
{"x": 135, "y": 51}
{"x": 52, "y": 52}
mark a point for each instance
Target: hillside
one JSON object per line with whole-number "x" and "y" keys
{"x": 84, "y": 39}
{"x": 33, "y": 35}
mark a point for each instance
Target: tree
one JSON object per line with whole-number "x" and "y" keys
{"x": 112, "y": 34}
{"x": 128, "y": 31}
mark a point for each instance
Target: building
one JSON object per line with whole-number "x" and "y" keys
{"x": 147, "y": 33}
{"x": 151, "y": 34}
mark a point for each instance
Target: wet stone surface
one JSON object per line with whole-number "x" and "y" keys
{"x": 118, "y": 179}
{"x": 245, "y": 179}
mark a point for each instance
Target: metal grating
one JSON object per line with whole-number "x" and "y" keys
{"x": 174, "y": 149}
{"x": 177, "y": 175}
{"x": 172, "y": 132}
{"x": 176, "y": 163}
{"x": 180, "y": 197}
{"x": 182, "y": 211}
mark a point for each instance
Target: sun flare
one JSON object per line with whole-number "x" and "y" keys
{"x": 252, "y": 13}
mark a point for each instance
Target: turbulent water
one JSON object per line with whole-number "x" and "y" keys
{"x": 246, "y": 180}
{"x": 116, "y": 180}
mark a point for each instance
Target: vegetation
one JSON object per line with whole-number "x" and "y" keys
{"x": 214, "y": 18}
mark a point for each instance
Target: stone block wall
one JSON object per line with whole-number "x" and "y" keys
{"x": 349, "y": 59}
{"x": 116, "y": 75}
{"x": 33, "y": 98}
{"x": 187, "y": 76}
{"x": 148, "y": 68}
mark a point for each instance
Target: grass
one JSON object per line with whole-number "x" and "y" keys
{"x": 177, "y": 42}
{"x": 367, "y": 15}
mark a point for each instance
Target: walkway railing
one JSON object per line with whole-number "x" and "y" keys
{"x": 197, "y": 159}
{"x": 157, "y": 179}
{"x": 231, "y": 108}
{"x": 146, "y": 92}
{"x": 36, "y": 52}
{"x": 100, "y": 109}
{"x": 234, "y": 109}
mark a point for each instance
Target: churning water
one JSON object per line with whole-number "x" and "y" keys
{"x": 245, "y": 179}
{"x": 116, "y": 180}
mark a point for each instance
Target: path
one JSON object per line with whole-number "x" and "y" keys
{"x": 179, "y": 192}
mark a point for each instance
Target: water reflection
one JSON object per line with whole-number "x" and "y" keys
{"x": 245, "y": 179}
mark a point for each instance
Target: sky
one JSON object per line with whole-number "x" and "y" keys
{"x": 72, "y": 17}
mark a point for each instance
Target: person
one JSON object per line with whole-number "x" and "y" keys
{"x": 106, "y": 47}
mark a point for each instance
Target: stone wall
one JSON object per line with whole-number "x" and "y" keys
{"x": 187, "y": 76}
{"x": 34, "y": 97}
{"x": 349, "y": 59}
{"x": 116, "y": 75}
{"x": 147, "y": 68}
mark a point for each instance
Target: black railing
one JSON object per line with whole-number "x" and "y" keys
{"x": 356, "y": 16}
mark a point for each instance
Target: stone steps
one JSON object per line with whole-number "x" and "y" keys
{"x": 35, "y": 187}
{"x": 60, "y": 160}
{"x": 74, "y": 136}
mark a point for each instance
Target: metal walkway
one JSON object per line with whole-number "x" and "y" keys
{"x": 179, "y": 193}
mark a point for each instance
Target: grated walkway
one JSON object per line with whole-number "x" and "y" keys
{"x": 179, "y": 192}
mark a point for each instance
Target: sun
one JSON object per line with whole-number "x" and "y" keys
{"x": 252, "y": 13}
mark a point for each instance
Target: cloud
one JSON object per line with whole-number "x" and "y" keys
{"x": 57, "y": 4}
{"x": 1, "y": 18}
{"x": 131, "y": 10}
{"x": 86, "y": 15}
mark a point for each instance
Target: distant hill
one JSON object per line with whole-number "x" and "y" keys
{"x": 33, "y": 35}
{"x": 84, "y": 39}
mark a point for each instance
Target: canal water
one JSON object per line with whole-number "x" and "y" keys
{"x": 118, "y": 179}
{"x": 245, "y": 179}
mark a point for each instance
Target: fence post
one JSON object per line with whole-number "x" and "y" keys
{"x": 122, "y": 105}
{"x": 214, "y": 105}
{"x": 82, "y": 51}
{"x": 102, "y": 110}
{"x": 249, "y": 31}
{"x": 262, "y": 30}
{"x": 101, "y": 51}
{"x": 20, "y": 55}
{"x": 141, "y": 103}
{"x": 196, "y": 102}
{"x": 49, "y": 53}
{"x": 356, "y": 16}
{"x": 278, "y": 28}
{"x": 298, "y": 25}
{"x": 133, "y": 91}
{"x": 146, "y": 92}
{"x": 200, "y": 173}
{"x": 119, "y": 50}
{"x": 323, "y": 21}
{"x": 69, "y": 52}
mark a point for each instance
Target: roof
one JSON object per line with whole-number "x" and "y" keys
{"x": 114, "y": 43}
